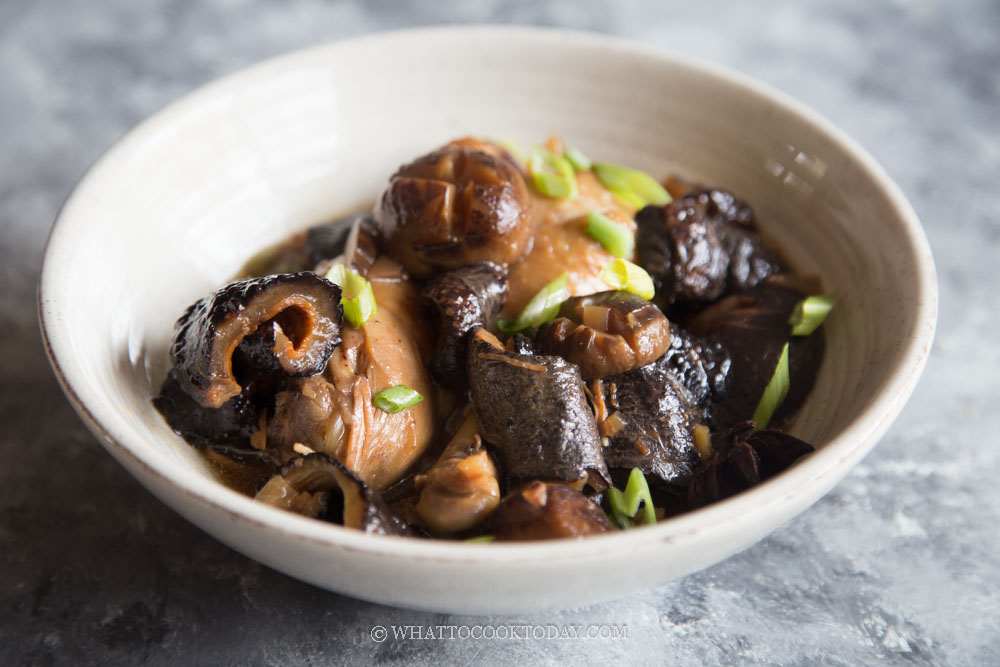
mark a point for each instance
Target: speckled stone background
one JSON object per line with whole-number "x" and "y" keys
{"x": 899, "y": 564}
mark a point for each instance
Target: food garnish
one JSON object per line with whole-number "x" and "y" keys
{"x": 619, "y": 241}
{"x": 625, "y": 505}
{"x": 774, "y": 393}
{"x": 358, "y": 299}
{"x": 622, "y": 274}
{"x": 542, "y": 307}
{"x": 810, "y": 313}
{"x": 396, "y": 399}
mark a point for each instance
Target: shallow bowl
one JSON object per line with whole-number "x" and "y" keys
{"x": 172, "y": 211}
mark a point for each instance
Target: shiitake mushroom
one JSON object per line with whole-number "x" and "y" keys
{"x": 747, "y": 457}
{"x": 682, "y": 253}
{"x": 534, "y": 411}
{"x": 606, "y": 333}
{"x": 464, "y": 203}
{"x": 462, "y": 299}
{"x": 292, "y": 322}
{"x": 545, "y": 511}
{"x": 351, "y": 239}
{"x": 320, "y": 486}
{"x": 701, "y": 246}
{"x": 231, "y": 424}
{"x": 752, "y": 327}
{"x": 462, "y": 488}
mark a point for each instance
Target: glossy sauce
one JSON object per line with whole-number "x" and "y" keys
{"x": 562, "y": 244}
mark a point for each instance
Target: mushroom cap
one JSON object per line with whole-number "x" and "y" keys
{"x": 543, "y": 511}
{"x": 462, "y": 300}
{"x": 290, "y": 323}
{"x": 321, "y": 486}
{"x": 463, "y": 203}
{"x": 606, "y": 333}
{"x": 534, "y": 412}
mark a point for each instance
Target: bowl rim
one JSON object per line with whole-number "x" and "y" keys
{"x": 840, "y": 452}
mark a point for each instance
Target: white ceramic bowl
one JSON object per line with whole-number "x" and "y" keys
{"x": 172, "y": 211}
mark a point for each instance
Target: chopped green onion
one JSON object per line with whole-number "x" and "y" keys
{"x": 513, "y": 148}
{"x": 774, "y": 392}
{"x": 618, "y": 240}
{"x": 622, "y": 274}
{"x": 338, "y": 273}
{"x": 576, "y": 158}
{"x": 551, "y": 185}
{"x": 482, "y": 539}
{"x": 360, "y": 309}
{"x": 810, "y": 313}
{"x": 562, "y": 166}
{"x": 625, "y": 506}
{"x": 559, "y": 183}
{"x": 639, "y": 185}
{"x": 396, "y": 399}
{"x": 357, "y": 297}
{"x": 542, "y": 307}
{"x": 628, "y": 197}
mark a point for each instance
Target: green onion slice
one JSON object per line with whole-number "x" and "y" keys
{"x": 482, "y": 539}
{"x": 396, "y": 399}
{"x": 774, "y": 392}
{"x": 552, "y": 174}
{"x": 810, "y": 313}
{"x": 622, "y": 274}
{"x": 357, "y": 297}
{"x": 542, "y": 307}
{"x": 513, "y": 148}
{"x": 577, "y": 159}
{"x": 618, "y": 240}
{"x": 628, "y": 197}
{"x": 552, "y": 185}
{"x": 625, "y": 506}
{"x": 631, "y": 185}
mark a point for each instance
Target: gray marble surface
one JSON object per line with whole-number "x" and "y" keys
{"x": 898, "y": 564}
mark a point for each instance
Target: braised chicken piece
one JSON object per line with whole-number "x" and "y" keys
{"x": 334, "y": 412}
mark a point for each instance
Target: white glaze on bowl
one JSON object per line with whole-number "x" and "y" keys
{"x": 173, "y": 210}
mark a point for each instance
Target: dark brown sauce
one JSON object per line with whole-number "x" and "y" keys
{"x": 246, "y": 478}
